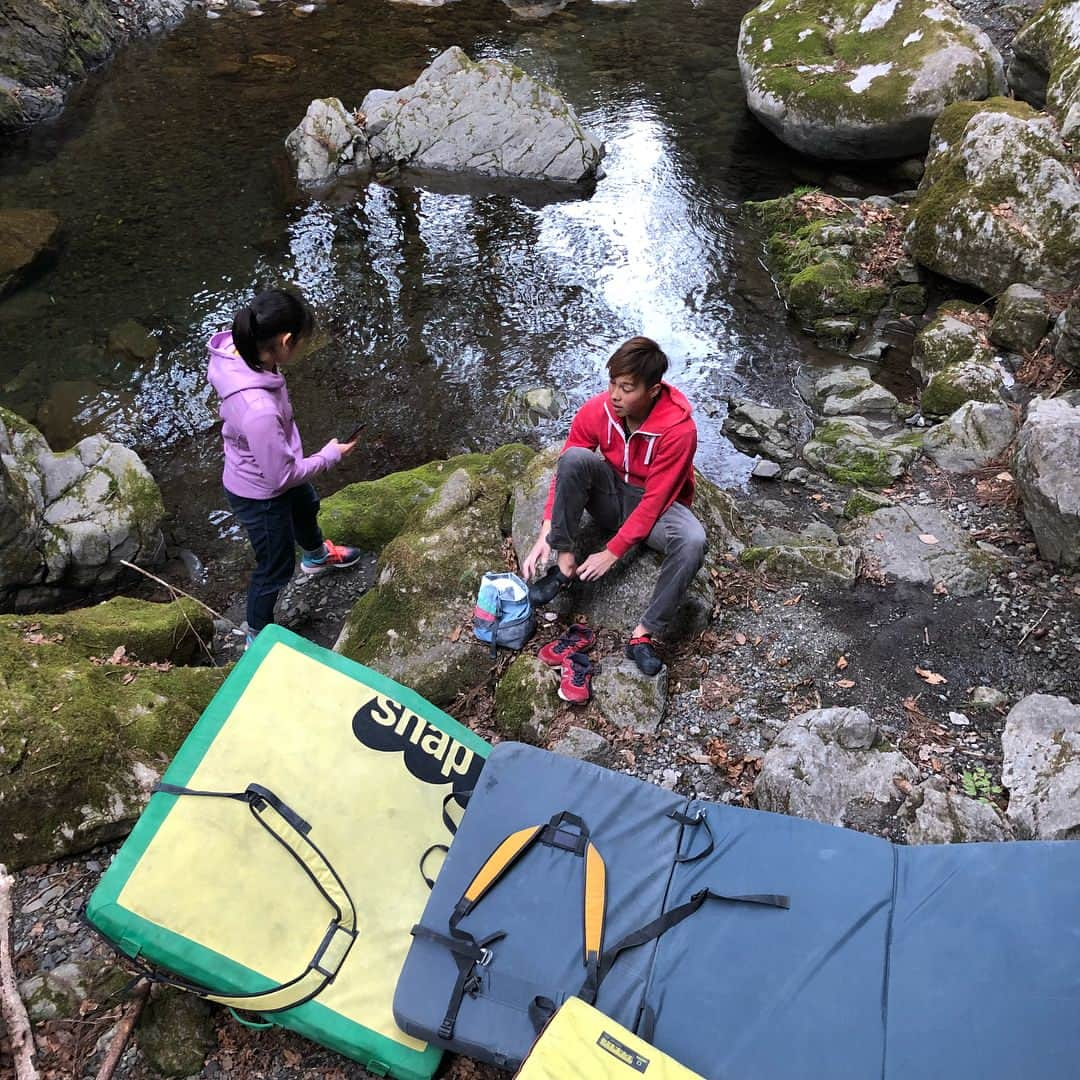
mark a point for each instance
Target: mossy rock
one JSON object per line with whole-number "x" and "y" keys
{"x": 864, "y": 502}
{"x": 81, "y": 743}
{"x": 947, "y": 340}
{"x": 999, "y": 202}
{"x": 526, "y": 699}
{"x": 849, "y": 453}
{"x": 176, "y": 1032}
{"x": 414, "y": 624}
{"x": 958, "y": 384}
{"x": 864, "y": 79}
{"x": 1045, "y": 68}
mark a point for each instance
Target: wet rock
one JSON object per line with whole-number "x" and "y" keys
{"x": 1045, "y": 68}
{"x": 759, "y": 429}
{"x": 526, "y": 699}
{"x": 1000, "y": 202}
{"x": 532, "y": 406}
{"x": 517, "y": 127}
{"x": 830, "y": 765}
{"x": 618, "y": 599}
{"x": 176, "y": 1032}
{"x": 815, "y": 554}
{"x": 67, "y": 520}
{"x": 132, "y": 342}
{"x": 1067, "y": 336}
{"x": 766, "y": 470}
{"x": 976, "y": 435}
{"x": 847, "y": 451}
{"x": 1020, "y": 319}
{"x": 1041, "y": 767}
{"x": 627, "y": 698}
{"x": 26, "y": 237}
{"x": 920, "y": 545}
{"x": 329, "y": 142}
{"x": 584, "y": 745}
{"x": 1047, "y": 470}
{"x": 865, "y": 80}
{"x": 846, "y": 391}
{"x": 939, "y": 815}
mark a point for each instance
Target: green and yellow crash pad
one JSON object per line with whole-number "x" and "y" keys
{"x": 301, "y": 886}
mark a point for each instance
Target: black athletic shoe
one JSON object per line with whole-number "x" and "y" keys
{"x": 548, "y": 587}
{"x": 641, "y": 651}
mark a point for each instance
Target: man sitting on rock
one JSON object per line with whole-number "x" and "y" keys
{"x": 640, "y": 488}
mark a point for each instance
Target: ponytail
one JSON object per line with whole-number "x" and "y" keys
{"x": 272, "y": 312}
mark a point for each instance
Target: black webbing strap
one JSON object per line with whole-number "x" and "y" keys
{"x": 688, "y": 822}
{"x": 541, "y": 1010}
{"x": 430, "y": 881}
{"x": 662, "y": 923}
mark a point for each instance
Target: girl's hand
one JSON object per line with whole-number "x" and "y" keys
{"x": 345, "y": 448}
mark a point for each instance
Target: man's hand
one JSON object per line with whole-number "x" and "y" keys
{"x": 597, "y": 565}
{"x": 539, "y": 555}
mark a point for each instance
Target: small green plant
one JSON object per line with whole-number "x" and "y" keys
{"x": 979, "y": 784}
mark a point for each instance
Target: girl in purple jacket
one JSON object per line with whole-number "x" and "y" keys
{"x": 266, "y": 475}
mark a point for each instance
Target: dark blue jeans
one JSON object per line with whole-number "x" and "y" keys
{"x": 274, "y": 527}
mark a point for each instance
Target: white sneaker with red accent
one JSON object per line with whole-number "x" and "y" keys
{"x": 335, "y": 557}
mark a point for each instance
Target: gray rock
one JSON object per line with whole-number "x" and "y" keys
{"x": 532, "y": 406}
{"x": 627, "y": 698}
{"x": 1047, "y": 470}
{"x": 861, "y": 502}
{"x": 1067, "y": 336}
{"x": 766, "y": 470}
{"x": 814, "y": 554}
{"x": 976, "y": 435}
{"x": 986, "y": 698}
{"x": 828, "y": 765}
{"x": 26, "y": 236}
{"x": 132, "y": 342}
{"x": 947, "y": 340}
{"x": 901, "y": 67}
{"x": 486, "y": 117}
{"x": 957, "y": 384}
{"x": 1045, "y": 68}
{"x": 846, "y": 391}
{"x": 176, "y": 1032}
{"x": 920, "y": 546}
{"x": 849, "y": 452}
{"x": 1040, "y": 749}
{"x": 526, "y": 698}
{"x": 759, "y": 429}
{"x": 620, "y": 597}
{"x": 584, "y": 745}
{"x": 939, "y": 815}
{"x": 328, "y": 143}
{"x": 1000, "y": 202}
{"x": 1020, "y": 319}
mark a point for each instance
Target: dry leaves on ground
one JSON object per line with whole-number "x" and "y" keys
{"x": 931, "y": 677}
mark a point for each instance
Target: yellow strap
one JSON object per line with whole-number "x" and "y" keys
{"x": 499, "y": 861}
{"x": 335, "y": 945}
{"x": 595, "y": 900}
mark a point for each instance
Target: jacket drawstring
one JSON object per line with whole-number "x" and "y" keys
{"x": 648, "y": 452}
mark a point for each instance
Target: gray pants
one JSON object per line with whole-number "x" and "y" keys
{"x": 587, "y": 482}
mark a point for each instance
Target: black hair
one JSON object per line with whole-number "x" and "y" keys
{"x": 272, "y": 312}
{"x": 640, "y": 358}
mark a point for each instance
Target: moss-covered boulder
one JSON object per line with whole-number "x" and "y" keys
{"x": 847, "y": 451}
{"x": 834, "y": 261}
{"x": 414, "y": 625}
{"x": 84, "y": 732}
{"x": 620, "y": 597}
{"x": 958, "y": 384}
{"x": 26, "y": 236}
{"x": 1021, "y": 319}
{"x": 815, "y": 555}
{"x": 1000, "y": 199}
{"x": 526, "y": 698}
{"x": 1045, "y": 68}
{"x": 176, "y": 1032}
{"x": 976, "y": 435}
{"x": 863, "y": 79}
{"x": 956, "y": 335}
{"x": 67, "y": 520}
{"x": 847, "y": 390}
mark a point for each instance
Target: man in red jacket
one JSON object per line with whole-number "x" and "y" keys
{"x": 640, "y": 488}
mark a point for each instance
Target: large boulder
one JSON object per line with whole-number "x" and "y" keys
{"x": 26, "y": 236}
{"x": 849, "y": 452}
{"x": 1066, "y": 336}
{"x": 1000, "y": 200}
{"x": 90, "y": 714}
{"x": 440, "y": 528}
{"x": 815, "y": 554}
{"x": 66, "y": 520}
{"x": 845, "y": 391}
{"x": 1045, "y": 68}
{"x": 976, "y": 435}
{"x": 620, "y": 597}
{"x": 1040, "y": 749}
{"x": 485, "y": 118}
{"x": 1020, "y": 319}
{"x": 938, "y": 814}
{"x": 832, "y": 765}
{"x": 955, "y": 335}
{"x": 1047, "y": 470}
{"x": 862, "y": 80}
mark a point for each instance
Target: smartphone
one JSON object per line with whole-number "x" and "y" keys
{"x": 355, "y": 431}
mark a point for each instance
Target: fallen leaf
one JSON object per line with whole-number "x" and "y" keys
{"x": 757, "y": 641}
{"x": 793, "y": 600}
{"x": 292, "y": 1058}
{"x": 902, "y": 785}
{"x": 1004, "y": 477}
{"x": 845, "y": 684}
{"x": 740, "y": 638}
{"x": 879, "y": 536}
{"x": 940, "y": 590}
{"x": 928, "y": 538}
{"x": 628, "y": 757}
{"x": 118, "y": 655}
{"x": 455, "y": 633}
{"x": 128, "y": 678}
{"x": 936, "y": 765}
{"x": 931, "y": 677}
{"x": 841, "y": 663}
{"x": 911, "y": 705}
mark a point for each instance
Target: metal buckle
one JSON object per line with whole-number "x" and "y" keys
{"x": 485, "y": 957}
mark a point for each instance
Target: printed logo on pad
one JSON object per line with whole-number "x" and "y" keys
{"x": 623, "y": 1052}
{"x": 431, "y": 755}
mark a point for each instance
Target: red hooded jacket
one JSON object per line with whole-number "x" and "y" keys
{"x": 658, "y": 457}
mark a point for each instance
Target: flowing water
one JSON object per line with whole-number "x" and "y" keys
{"x": 434, "y": 301}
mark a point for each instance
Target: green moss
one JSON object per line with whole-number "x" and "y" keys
{"x": 752, "y": 556}
{"x": 909, "y": 299}
{"x": 860, "y": 503}
{"x": 524, "y": 699}
{"x": 860, "y": 466}
{"x": 175, "y": 1033}
{"x": 830, "y": 288}
{"x": 952, "y": 387}
{"x": 142, "y": 499}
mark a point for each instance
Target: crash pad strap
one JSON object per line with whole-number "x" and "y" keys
{"x": 662, "y": 923}
{"x": 290, "y": 830}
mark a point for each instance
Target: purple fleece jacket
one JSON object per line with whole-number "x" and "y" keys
{"x": 263, "y": 453}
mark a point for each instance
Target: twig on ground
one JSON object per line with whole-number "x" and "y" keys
{"x": 123, "y": 1032}
{"x": 1034, "y": 626}
{"x": 14, "y": 1012}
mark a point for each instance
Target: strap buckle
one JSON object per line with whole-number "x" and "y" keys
{"x": 485, "y": 957}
